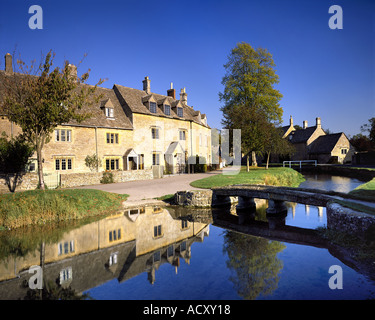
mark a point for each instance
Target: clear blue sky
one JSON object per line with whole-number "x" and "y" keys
{"x": 323, "y": 73}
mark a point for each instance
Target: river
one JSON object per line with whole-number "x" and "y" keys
{"x": 160, "y": 253}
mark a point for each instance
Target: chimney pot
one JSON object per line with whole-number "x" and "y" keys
{"x": 72, "y": 71}
{"x": 8, "y": 64}
{"x": 318, "y": 122}
{"x": 183, "y": 96}
{"x": 291, "y": 121}
{"x": 147, "y": 85}
{"x": 171, "y": 92}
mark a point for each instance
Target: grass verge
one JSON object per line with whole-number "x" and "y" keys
{"x": 279, "y": 176}
{"x": 36, "y": 207}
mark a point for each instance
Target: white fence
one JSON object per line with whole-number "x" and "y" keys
{"x": 300, "y": 162}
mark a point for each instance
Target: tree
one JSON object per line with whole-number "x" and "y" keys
{"x": 92, "y": 162}
{"x": 362, "y": 143}
{"x": 249, "y": 96}
{"x": 370, "y": 128}
{"x": 274, "y": 143}
{"x": 38, "y": 99}
{"x": 14, "y": 156}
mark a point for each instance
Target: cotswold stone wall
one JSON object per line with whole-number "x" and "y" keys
{"x": 85, "y": 179}
{"x": 346, "y": 220}
{"x": 30, "y": 180}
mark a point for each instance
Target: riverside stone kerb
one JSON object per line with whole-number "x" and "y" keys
{"x": 347, "y": 220}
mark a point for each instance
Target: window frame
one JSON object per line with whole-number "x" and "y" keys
{"x": 180, "y": 112}
{"x": 165, "y": 110}
{"x": 155, "y": 133}
{"x": 153, "y": 107}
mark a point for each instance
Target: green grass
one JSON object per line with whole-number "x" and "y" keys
{"x": 365, "y": 191}
{"x": 38, "y": 207}
{"x": 257, "y": 175}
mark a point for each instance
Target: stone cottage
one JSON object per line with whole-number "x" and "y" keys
{"x": 129, "y": 130}
{"x": 312, "y": 143}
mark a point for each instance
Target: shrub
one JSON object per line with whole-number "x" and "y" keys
{"x": 107, "y": 177}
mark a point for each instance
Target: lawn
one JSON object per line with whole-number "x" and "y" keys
{"x": 278, "y": 176}
{"x": 37, "y": 207}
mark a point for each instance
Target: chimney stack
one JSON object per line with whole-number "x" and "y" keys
{"x": 147, "y": 85}
{"x": 183, "y": 96}
{"x": 291, "y": 121}
{"x": 304, "y": 124}
{"x": 72, "y": 71}
{"x": 8, "y": 64}
{"x": 171, "y": 92}
{"x": 318, "y": 123}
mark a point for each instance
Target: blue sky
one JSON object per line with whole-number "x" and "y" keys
{"x": 323, "y": 73}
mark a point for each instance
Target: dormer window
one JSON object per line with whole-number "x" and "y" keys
{"x": 180, "y": 112}
{"x": 153, "y": 107}
{"x": 167, "y": 109}
{"x": 109, "y": 113}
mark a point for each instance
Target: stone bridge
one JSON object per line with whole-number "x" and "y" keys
{"x": 338, "y": 217}
{"x": 276, "y": 196}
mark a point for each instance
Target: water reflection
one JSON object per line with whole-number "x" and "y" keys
{"x": 120, "y": 247}
{"x": 254, "y": 264}
{"x": 330, "y": 183}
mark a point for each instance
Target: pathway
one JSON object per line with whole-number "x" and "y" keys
{"x": 144, "y": 190}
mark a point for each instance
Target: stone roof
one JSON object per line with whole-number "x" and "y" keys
{"x": 301, "y": 135}
{"x": 98, "y": 118}
{"x": 134, "y": 100}
{"x": 325, "y": 144}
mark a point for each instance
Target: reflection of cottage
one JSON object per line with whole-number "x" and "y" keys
{"x": 312, "y": 143}
{"x": 120, "y": 246}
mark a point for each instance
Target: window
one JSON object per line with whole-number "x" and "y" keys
{"x": 65, "y": 247}
{"x": 180, "y": 112}
{"x": 112, "y": 137}
{"x": 184, "y": 224}
{"x": 63, "y": 164}
{"x": 114, "y": 235}
{"x": 155, "y": 159}
{"x": 112, "y": 164}
{"x": 153, "y": 107}
{"x": 182, "y": 135}
{"x": 167, "y": 110}
{"x": 63, "y": 135}
{"x": 157, "y": 231}
{"x": 155, "y": 133}
{"x": 66, "y": 275}
{"x": 112, "y": 258}
{"x": 344, "y": 151}
{"x": 157, "y": 256}
{"x": 109, "y": 113}
{"x": 170, "y": 251}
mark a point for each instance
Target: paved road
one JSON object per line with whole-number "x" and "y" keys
{"x": 149, "y": 189}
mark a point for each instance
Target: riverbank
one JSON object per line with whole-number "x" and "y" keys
{"x": 37, "y": 207}
{"x": 278, "y": 176}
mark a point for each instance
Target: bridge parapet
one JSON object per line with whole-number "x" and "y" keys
{"x": 303, "y": 196}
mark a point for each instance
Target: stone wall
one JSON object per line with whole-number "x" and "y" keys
{"x": 346, "y": 220}
{"x": 30, "y": 180}
{"x": 91, "y": 178}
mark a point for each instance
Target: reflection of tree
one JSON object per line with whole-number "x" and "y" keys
{"x": 54, "y": 291}
{"x": 254, "y": 264}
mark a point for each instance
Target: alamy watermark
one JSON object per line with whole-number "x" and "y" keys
{"x": 335, "y": 21}
{"x": 335, "y": 281}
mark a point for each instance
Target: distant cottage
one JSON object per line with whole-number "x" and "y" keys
{"x": 312, "y": 143}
